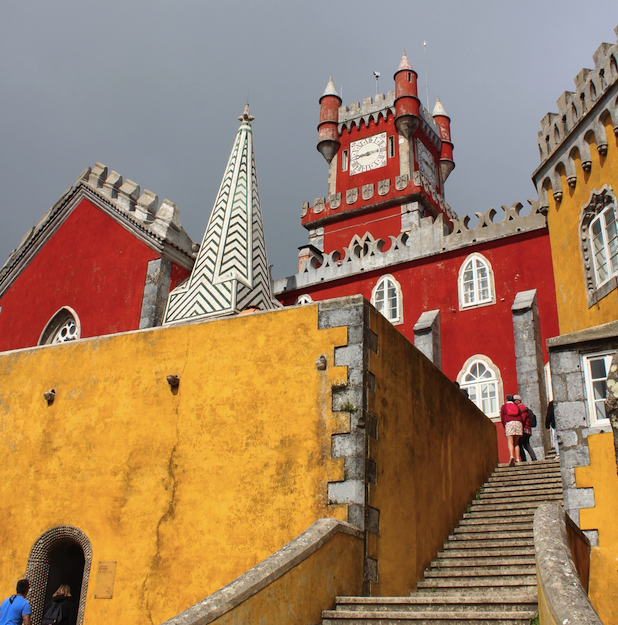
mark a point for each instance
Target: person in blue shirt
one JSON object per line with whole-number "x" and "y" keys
{"x": 15, "y": 610}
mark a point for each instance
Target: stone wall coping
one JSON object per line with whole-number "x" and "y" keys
{"x": 524, "y": 300}
{"x": 426, "y": 320}
{"x": 566, "y": 598}
{"x": 264, "y": 573}
{"x": 604, "y": 331}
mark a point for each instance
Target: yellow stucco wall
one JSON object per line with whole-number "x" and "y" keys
{"x": 434, "y": 449}
{"x": 545, "y": 615}
{"x": 601, "y": 475}
{"x": 563, "y": 223}
{"x": 335, "y": 569}
{"x": 185, "y": 491}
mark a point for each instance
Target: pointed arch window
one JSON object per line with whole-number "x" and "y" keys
{"x": 481, "y": 378}
{"x": 476, "y": 282}
{"x": 63, "y": 327}
{"x": 386, "y": 297}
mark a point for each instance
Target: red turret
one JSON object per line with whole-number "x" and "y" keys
{"x": 328, "y": 134}
{"x": 407, "y": 115}
{"x": 446, "y": 154}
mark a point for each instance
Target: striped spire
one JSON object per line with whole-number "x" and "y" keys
{"x": 231, "y": 270}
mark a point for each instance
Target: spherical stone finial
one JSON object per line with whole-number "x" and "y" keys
{"x": 246, "y": 116}
{"x": 438, "y": 109}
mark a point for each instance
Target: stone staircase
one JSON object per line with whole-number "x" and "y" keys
{"x": 486, "y": 572}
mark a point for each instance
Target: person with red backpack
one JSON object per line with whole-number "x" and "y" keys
{"x": 513, "y": 428}
{"x": 529, "y": 420}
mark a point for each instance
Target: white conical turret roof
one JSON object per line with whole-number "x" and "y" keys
{"x": 438, "y": 109}
{"x": 404, "y": 63}
{"x": 330, "y": 88}
{"x": 231, "y": 270}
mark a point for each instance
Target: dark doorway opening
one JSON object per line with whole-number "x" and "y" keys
{"x": 66, "y": 566}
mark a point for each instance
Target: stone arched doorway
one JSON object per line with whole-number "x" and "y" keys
{"x": 62, "y": 555}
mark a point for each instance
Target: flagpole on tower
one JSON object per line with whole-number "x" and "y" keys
{"x": 426, "y": 80}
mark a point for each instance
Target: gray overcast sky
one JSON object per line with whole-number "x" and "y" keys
{"x": 153, "y": 89}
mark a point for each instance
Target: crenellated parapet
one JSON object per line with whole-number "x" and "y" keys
{"x": 430, "y": 237}
{"x": 380, "y": 106}
{"x": 580, "y": 124}
{"x": 157, "y": 224}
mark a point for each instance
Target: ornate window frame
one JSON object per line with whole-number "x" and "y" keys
{"x": 598, "y": 202}
{"x": 383, "y": 283}
{"x": 62, "y": 319}
{"x": 488, "y": 301}
{"x": 596, "y": 401}
{"x": 494, "y": 416}
{"x": 38, "y": 567}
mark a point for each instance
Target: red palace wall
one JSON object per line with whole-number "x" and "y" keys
{"x": 92, "y": 264}
{"x": 519, "y": 263}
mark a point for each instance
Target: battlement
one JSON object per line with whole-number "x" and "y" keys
{"x": 576, "y": 108}
{"x": 428, "y": 238}
{"x": 159, "y": 225}
{"x": 142, "y": 208}
{"x": 358, "y": 114}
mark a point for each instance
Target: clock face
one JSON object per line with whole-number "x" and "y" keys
{"x": 426, "y": 163}
{"x": 368, "y": 153}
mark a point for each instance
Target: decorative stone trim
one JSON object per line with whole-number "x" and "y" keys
{"x": 353, "y": 447}
{"x": 334, "y": 201}
{"x": 351, "y": 195}
{"x": 65, "y": 314}
{"x": 38, "y": 567}
{"x": 384, "y": 186}
{"x": 427, "y": 338}
{"x": 318, "y": 205}
{"x": 401, "y": 182}
{"x": 430, "y": 237}
{"x": 560, "y": 589}
{"x": 599, "y": 201}
{"x": 367, "y": 191}
{"x": 156, "y": 290}
{"x": 264, "y": 573}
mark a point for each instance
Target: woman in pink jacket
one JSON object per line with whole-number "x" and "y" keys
{"x": 513, "y": 428}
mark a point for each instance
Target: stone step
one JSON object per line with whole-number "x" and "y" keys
{"x": 476, "y": 536}
{"x": 517, "y": 494}
{"x": 485, "y": 551}
{"x": 430, "y": 602}
{"x": 518, "y": 472}
{"x": 553, "y": 478}
{"x": 507, "y": 560}
{"x": 480, "y": 591}
{"x": 504, "y": 543}
{"x": 499, "y": 487}
{"x": 507, "y": 504}
{"x": 517, "y": 522}
{"x": 488, "y": 514}
{"x": 479, "y": 571}
{"x": 491, "y": 581}
{"x": 339, "y": 617}
{"x": 467, "y": 527}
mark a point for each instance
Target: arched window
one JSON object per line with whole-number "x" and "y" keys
{"x": 386, "y": 297}
{"x": 476, "y": 282}
{"x": 63, "y": 327}
{"x": 604, "y": 239}
{"x": 304, "y": 299}
{"x": 481, "y": 378}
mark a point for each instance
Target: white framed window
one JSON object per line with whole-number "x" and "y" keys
{"x": 476, "y": 282}
{"x": 304, "y": 299}
{"x": 596, "y": 369}
{"x": 63, "y": 327}
{"x": 386, "y": 297}
{"x": 481, "y": 378}
{"x": 604, "y": 239}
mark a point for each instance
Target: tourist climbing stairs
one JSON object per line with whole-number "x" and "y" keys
{"x": 486, "y": 572}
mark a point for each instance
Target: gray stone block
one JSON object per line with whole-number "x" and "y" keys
{"x": 373, "y": 520}
{"x": 592, "y": 536}
{"x": 579, "y": 498}
{"x": 350, "y": 491}
{"x": 354, "y": 468}
{"x": 371, "y": 340}
{"x": 568, "y": 438}
{"x": 568, "y": 478}
{"x": 527, "y": 363}
{"x": 356, "y": 515}
{"x": 586, "y": 432}
{"x": 574, "y": 514}
{"x": 578, "y": 457}
{"x": 570, "y": 415}
{"x": 371, "y": 570}
{"x": 355, "y": 334}
{"x": 343, "y": 445}
{"x": 559, "y": 387}
{"x": 564, "y": 362}
{"x": 575, "y": 386}
{"x": 351, "y": 355}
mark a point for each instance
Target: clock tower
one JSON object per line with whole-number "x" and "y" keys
{"x": 388, "y": 160}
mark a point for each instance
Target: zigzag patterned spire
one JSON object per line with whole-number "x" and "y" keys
{"x": 231, "y": 269}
